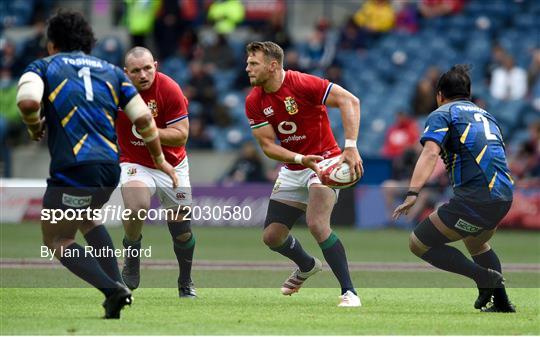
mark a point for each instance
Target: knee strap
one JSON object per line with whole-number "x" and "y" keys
{"x": 177, "y": 228}
{"x": 429, "y": 235}
{"x": 282, "y": 213}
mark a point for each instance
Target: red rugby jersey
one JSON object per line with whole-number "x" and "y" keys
{"x": 168, "y": 106}
{"x": 298, "y": 114}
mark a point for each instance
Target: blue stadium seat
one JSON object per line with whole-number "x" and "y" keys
{"x": 195, "y": 109}
{"x": 529, "y": 116}
{"x": 475, "y": 8}
{"x": 223, "y": 80}
{"x": 347, "y": 58}
{"x": 384, "y": 87}
{"x": 507, "y": 114}
{"x": 227, "y": 139}
{"x": 110, "y": 49}
{"x": 176, "y": 68}
{"x": 518, "y": 138}
{"x": 526, "y": 21}
{"x": 457, "y": 37}
{"x": 235, "y": 101}
{"x": 16, "y": 13}
{"x": 334, "y": 116}
{"x": 413, "y": 44}
{"x": 238, "y": 47}
{"x": 534, "y": 7}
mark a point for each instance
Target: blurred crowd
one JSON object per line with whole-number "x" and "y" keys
{"x": 200, "y": 43}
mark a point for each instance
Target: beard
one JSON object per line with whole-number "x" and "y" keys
{"x": 256, "y": 82}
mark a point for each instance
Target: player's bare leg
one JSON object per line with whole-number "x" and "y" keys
{"x": 482, "y": 253}
{"x": 280, "y": 217}
{"x": 136, "y": 196}
{"x": 275, "y": 234}
{"x": 321, "y": 203}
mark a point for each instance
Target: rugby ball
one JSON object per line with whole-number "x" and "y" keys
{"x": 336, "y": 176}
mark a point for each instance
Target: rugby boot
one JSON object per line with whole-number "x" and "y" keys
{"x": 297, "y": 278}
{"x": 187, "y": 291}
{"x": 495, "y": 280}
{"x": 349, "y": 299}
{"x": 507, "y": 307}
{"x": 131, "y": 272}
{"x": 116, "y": 301}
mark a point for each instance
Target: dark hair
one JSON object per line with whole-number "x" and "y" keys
{"x": 455, "y": 83}
{"x": 268, "y": 48}
{"x": 69, "y": 31}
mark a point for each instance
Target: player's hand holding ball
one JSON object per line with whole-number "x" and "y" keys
{"x": 351, "y": 156}
{"x": 309, "y": 161}
{"x": 343, "y": 171}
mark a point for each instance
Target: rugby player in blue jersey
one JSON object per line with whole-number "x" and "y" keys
{"x": 470, "y": 142}
{"x": 77, "y": 96}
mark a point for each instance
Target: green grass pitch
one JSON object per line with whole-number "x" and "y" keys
{"x": 246, "y": 301}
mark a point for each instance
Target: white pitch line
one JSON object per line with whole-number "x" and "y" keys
{"x": 36, "y": 263}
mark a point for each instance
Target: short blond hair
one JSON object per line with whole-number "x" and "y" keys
{"x": 269, "y": 49}
{"x": 137, "y": 52}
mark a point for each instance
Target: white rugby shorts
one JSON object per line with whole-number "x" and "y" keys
{"x": 294, "y": 185}
{"x": 160, "y": 183}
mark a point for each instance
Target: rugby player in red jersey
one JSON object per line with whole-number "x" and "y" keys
{"x": 290, "y": 106}
{"x": 140, "y": 179}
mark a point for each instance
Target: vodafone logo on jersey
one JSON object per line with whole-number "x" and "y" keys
{"x": 293, "y": 138}
{"x": 287, "y": 128}
{"x": 138, "y": 136}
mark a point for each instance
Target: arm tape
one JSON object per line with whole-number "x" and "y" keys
{"x": 151, "y": 137}
{"x": 149, "y": 132}
{"x": 30, "y": 87}
{"x": 136, "y": 108}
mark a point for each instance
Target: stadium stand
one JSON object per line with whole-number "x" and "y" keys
{"x": 383, "y": 73}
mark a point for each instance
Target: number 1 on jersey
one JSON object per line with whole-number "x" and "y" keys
{"x": 479, "y": 118}
{"x": 85, "y": 74}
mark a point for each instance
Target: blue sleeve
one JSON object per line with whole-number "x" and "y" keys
{"x": 436, "y": 128}
{"x": 127, "y": 90}
{"x": 39, "y": 67}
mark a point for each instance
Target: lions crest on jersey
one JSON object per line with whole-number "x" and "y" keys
{"x": 290, "y": 105}
{"x": 152, "y": 105}
{"x": 131, "y": 171}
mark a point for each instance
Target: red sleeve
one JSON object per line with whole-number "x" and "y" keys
{"x": 175, "y": 102}
{"x": 314, "y": 87}
{"x": 254, "y": 113}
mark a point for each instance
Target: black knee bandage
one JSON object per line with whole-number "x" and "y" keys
{"x": 282, "y": 213}
{"x": 178, "y": 228}
{"x": 429, "y": 235}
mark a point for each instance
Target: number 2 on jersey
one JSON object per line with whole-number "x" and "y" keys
{"x": 479, "y": 118}
{"x": 85, "y": 74}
